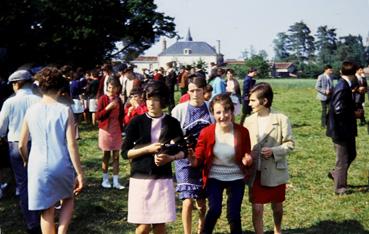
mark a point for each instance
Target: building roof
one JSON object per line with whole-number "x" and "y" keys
{"x": 235, "y": 62}
{"x": 282, "y": 65}
{"x": 152, "y": 59}
{"x": 198, "y": 48}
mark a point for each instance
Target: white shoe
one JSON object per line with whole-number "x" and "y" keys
{"x": 106, "y": 184}
{"x": 118, "y": 186}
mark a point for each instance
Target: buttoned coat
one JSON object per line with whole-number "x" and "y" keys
{"x": 323, "y": 84}
{"x": 278, "y": 136}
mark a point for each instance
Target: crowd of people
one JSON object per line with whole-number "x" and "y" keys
{"x": 137, "y": 118}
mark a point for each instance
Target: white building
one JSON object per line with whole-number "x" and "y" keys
{"x": 185, "y": 52}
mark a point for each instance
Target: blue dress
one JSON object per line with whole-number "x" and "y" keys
{"x": 189, "y": 179}
{"x": 50, "y": 170}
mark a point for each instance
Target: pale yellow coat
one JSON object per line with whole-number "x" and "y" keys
{"x": 278, "y": 136}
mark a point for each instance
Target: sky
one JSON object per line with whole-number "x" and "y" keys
{"x": 244, "y": 24}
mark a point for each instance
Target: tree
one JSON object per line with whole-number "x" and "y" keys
{"x": 351, "y": 48}
{"x": 326, "y": 44}
{"x": 281, "y": 47}
{"x": 253, "y": 60}
{"x": 259, "y": 62}
{"x": 78, "y": 32}
{"x": 301, "y": 42}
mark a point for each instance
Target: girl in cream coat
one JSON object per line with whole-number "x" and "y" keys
{"x": 271, "y": 141}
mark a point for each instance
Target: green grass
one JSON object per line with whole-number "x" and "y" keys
{"x": 310, "y": 206}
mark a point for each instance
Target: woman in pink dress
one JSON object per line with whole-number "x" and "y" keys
{"x": 110, "y": 113}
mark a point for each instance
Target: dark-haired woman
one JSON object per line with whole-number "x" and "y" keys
{"x": 223, "y": 149}
{"x": 53, "y": 160}
{"x": 151, "y": 198}
{"x": 271, "y": 141}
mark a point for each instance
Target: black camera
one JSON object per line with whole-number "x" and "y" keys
{"x": 188, "y": 141}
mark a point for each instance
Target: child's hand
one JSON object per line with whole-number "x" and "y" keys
{"x": 162, "y": 159}
{"x": 266, "y": 152}
{"x": 191, "y": 157}
{"x": 247, "y": 160}
{"x": 111, "y": 105}
{"x": 153, "y": 148}
{"x": 134, "y": 103}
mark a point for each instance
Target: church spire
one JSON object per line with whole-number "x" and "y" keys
{"x": 188, "y": 37}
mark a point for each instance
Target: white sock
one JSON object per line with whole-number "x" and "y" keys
{"x": 105, "y": 176}
{"x": 115, "y": 179}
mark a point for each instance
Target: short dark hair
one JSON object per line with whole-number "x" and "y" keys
{"x": 107, "y": 67}
{"x": 224, "y": 99}
{"x": 326, "y": 67}
{"x": 252, "y": 69}
{"x": 208, "y": 88}
{"x": 157, "y": 88}
{"x": 230, "y": 71}
{"x": 200, "y": 82}
{"x": 263, "y": 90}
{"x": 136, "y": 91}
{"x": 114, "y": 82}
{"x": 51, "y": 79}
{"x": 348, "y": 68}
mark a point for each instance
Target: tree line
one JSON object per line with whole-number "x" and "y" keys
{"x": 311, "y": 52}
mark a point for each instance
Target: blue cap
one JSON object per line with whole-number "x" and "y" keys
{"x": 19, "y": 75}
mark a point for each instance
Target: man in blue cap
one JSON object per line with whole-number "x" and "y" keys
{"x": 11, "y": 119}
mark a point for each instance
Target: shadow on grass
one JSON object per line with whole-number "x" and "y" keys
{"x": 300, "y": 125}
{"x": 101, "y": 210}
{"x": 328, "y": 226}
{"x": 358, "y": 188}
{"x": 323, "y": 227}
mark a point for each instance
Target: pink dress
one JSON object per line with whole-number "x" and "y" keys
{"x": 111, "y": 139}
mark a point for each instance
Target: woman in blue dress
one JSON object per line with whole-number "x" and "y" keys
{"x": 193, "y": 115}
{"x": 54, "y": 168}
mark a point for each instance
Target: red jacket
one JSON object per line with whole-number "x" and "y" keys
{"x": 205, "y": 145}
{"x": 102, "y": 115}
{"x": 137, "y": 111}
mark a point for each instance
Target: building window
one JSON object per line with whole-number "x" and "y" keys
{"x": 187, "y": 51}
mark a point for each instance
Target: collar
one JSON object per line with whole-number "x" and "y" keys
{"x": 347, "y": 79}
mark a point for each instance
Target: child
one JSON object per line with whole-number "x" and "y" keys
{"x": 110, "y": 116}
{"x": 135, "y": 106}
{"x": 151, "y": 198}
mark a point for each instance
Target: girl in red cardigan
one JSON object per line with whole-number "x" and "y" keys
{"x": 223, "y": 149}
{"x": 110, "y": 116}
{"x": 135, "y": 106}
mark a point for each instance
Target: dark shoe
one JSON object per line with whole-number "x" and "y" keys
{"x": 341, "y": 192}
{"x": 330, "y": 176}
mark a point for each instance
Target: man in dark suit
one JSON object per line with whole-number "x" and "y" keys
{"x": 248, "y": 84}
{"x": 171, "y": 81}
{"x": 342, "y": 126}
{"x": 360, "y": 92}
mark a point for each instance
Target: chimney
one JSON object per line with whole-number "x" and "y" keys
{"x": 218, "y": 41}
{"x": 164, "y": 45}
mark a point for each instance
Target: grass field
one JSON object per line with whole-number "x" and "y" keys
{"x": 310, "y": 206}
